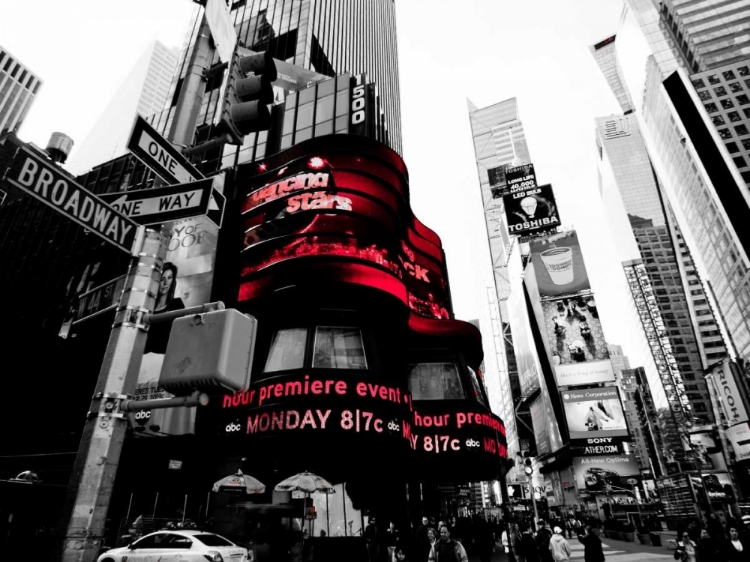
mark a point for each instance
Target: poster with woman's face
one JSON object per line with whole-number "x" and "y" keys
{"x": 186, "y": 281}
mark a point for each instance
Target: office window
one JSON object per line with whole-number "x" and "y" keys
{"x": 713, "y": 79}
{"x": 338, "y": 348}
{"x": 711, "y": 108}
{"x": 725, "y": 134}
{"x": 735, "y": 87}
{"x": 720, "y": 91}
{"x": 743, "y": 71}
{"x": 732, "y": 147}
{"x": 704, "y": 95}
{"x": 718, "y": 120}
{"x": 742, "y": 99}
{"x": 740, "y": 129}
{"x": 728, "y": 104}
{"x": 734, "y": 116}
{"x": 746, "y": 144}
{"x": 739, "y": 161}
{"x": 728, "y": 75}
{"x": 699, "y": 83}
{"x": 287, "y": 350}
{"x": 435, "y": 381}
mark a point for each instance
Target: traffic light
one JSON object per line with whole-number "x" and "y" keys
{"x": 246, "y": 98}
{"x": 528, "y": 462}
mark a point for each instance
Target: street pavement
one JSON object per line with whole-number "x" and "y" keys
{"x": 614, "y": 551}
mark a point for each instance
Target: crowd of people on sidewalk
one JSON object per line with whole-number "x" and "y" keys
{"x": 547, "y": 544}
{"x": 712, "y": 541}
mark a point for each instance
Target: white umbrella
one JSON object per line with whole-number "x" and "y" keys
{"x": 239, "y": 482}
{"x": 305, "y": 482}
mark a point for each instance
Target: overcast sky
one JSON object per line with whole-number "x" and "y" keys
{"x": 483, "y": 50}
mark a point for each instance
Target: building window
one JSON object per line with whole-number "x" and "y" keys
{"x": 711, "y": 108}
{"x": 735, "y": 87}
{"x": 713, "y": 79}
{"x": 704, "y": 95}
{"x": 699, "y": 83}
{"x": 728, "y": 104}
{"x": 746, "y": 144}
{"x": 477, "y": 388}
{"x": 732, "y": 147}
{"x": 741, "y": 129}
{"x": 720, "y": 91}
{"x": 739, "y": 161}
{"x": 287, "y": 350}
{"x": 718, "y": 120}
{"x": 435, "y": 381}
{"x": 725, "y": 134}
{"x": 728, "y": 75}
{"x": 742, "y": 99}
{"x": 338, "y": 348}
{"x": 734, "y": 116}
{"x": 743, "y": 71}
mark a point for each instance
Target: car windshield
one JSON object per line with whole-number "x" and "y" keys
{"x": 213, "y": 540}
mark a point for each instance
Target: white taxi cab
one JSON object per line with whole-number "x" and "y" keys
{"x": 178, "y": 546}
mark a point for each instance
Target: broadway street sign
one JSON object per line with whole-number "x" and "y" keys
{"x": 43, "y": 180}
{"x": 164, "y": 204}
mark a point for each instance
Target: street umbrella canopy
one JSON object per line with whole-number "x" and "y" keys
{"x": 239, "y": 482}
{"x": 305, "y": 482}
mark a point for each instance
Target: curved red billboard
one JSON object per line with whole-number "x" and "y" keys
{"x": 324, "y": 202}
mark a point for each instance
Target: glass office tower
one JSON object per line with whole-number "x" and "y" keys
{"x": 18, "y": 89}
{"x": 696, "y": 171}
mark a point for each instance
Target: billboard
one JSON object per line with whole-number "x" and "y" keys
{"x": 520, "y": 178}
{"x": 594, "y": 413}
{"x": 496, "y": 177}
{"x": 730, "y": 399}
{"x": 595, "y": 473}
{"x": 716, "y": 486}
{"x": 531, "y": 211}
{"x": 187, "y": 277}
{"x": 739, "y": 436}
{"x": 558, "y": 264}
{"x": 579, "y": 350}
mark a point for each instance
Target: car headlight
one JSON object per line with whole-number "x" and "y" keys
{"x": 213, "y": 556}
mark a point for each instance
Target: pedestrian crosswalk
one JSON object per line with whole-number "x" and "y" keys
{"x": 614, "y": 555}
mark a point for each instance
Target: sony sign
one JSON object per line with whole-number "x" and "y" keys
{"x": 730, "y": 398}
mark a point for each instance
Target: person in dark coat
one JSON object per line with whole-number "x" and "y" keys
{"x": 592, "y": 546}
{"x": 737, "y": 549}
{"x": 528, "y": 547}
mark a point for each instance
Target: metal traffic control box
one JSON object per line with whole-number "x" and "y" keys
{"x": 209, "y": 351}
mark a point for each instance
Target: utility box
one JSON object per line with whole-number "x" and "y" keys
{"x": 208, "y": 352}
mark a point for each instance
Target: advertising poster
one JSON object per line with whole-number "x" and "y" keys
{"x": 520, "y": 178}
{"x": 558, "y": 264}
{"x": 594, "y": 413}
{"x": 717, "y": 486}
{"x": 595, "y": 473}
{"x": 579, "y": 350}
{"x": 531, "y": 211}
{"x": 730, "y": 399}
{"x": 496, "y": 177}
{"x": 739, "y": 436}
{"x": 540, "y": 424}
{"x": 186, "y": 281}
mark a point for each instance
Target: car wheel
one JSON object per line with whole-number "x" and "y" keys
{"x": 108, "y": 560}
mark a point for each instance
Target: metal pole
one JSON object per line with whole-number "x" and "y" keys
{"x": 533, "y": 502}
{"x": 156, "y": 501}
{"x": 328, "y": 518}
{"x": 130, "y": 503}
{"x": 184, "y": 509}
{"x": 343, "y": 501}
{"x": 208, "y": 502}
{"x": 95, "y": 467}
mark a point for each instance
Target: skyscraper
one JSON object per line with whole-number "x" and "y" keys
{"x": 659, "y": 46}
{"x": 626, "y": 175}
{"x": 144, "y": 91}
{"x": 18, "y": 89}
{"x": 324, "y": 37}
{"x": 499, "y": 142}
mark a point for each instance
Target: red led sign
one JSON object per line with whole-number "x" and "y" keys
{"x": 348, "y": 206}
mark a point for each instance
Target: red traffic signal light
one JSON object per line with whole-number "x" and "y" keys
{"x": 246, "y": 98}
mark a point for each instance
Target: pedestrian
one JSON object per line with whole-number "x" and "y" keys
{"x": 484, "y": 539}
{"x": 592, "y": 546}
{"x": 400, "y": 555}
{"x": 558, "y": 546}
{"x": 685, "y": 550}
{"x": 707, "y": 547}
{"x": 391, "y": 540}
{"x": 738, "y": 548}
{"x": 543, "y": 536}
{"x": 529, "y": 549}
{"x": 515, "y": 543}
{"x": 447, "y": 549}
{"x": 372, "y": 540}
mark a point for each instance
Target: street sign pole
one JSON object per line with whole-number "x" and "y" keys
{"x": 98, "y": 457}
{"x": 99, "y": 452}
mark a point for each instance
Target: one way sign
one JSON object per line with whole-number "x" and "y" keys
{"x": 170, "y": 203}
